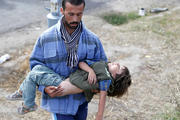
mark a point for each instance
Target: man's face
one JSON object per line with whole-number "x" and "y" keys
{"x": 72, "y": 14}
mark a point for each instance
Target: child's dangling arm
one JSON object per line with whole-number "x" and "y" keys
{"x": 101, "y": 106}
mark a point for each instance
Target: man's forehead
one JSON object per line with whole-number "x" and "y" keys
{"x": 68, "y": 4}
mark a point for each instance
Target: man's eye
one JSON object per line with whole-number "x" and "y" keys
{"x": 79, "y": 14}
{"x": 71, "y": 14}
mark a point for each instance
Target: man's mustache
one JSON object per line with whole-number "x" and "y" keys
{"x": 74, "y": 23}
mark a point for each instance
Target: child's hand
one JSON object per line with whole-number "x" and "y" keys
{"x": 99, "y": 117}
{"x": 92, "y": 77}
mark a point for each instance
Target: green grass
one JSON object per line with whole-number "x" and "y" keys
{"x": 119, "y": 18}
{"x": 169, "y": 116}
{"x": 132, "y": 16}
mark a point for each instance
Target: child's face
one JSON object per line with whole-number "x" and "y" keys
{"x": 115, "y": 68}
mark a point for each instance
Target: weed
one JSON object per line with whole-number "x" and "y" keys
{"x": 119, "y": 18}
{"x": 174, "y": 115}
{"x": 133, "y": 16}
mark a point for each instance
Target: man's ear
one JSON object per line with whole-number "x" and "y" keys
{"x": 62, "y": 11}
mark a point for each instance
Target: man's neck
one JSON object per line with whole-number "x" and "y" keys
{"x": 69, "y": 30}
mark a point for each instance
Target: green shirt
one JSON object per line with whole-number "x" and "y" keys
{"x": 79, "y": 78}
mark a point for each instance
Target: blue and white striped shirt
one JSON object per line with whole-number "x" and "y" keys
{"x": 104, "y": 85}
{"x": 50, "y": 51}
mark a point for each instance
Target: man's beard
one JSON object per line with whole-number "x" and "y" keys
{"x": 69, "y": 24}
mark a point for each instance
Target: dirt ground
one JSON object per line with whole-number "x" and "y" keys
{"x": 148, "y": 46}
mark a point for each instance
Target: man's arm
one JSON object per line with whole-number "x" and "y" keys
{"x": 98, "y": 54}
{"x": 37, "y": 55}
{"x": 101, "y": 106}
{"x": 92, "y": 76}
{"x": 37, "y": 58}
{"x": 64, "y": 88}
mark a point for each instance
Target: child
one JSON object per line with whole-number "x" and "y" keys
{"x": 113, "y": 80}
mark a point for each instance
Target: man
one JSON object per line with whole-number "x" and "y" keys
{"x": 61, "y": 48}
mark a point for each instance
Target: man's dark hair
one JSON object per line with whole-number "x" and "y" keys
{"x": 120, "y": 84}
{"x": 73, "y": 2}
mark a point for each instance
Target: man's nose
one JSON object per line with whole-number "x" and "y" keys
{"x": 75, "y": 18}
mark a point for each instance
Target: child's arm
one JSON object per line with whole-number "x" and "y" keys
{"x": 102, "y": 101}
{"x": 92, "y": 75}
{"x": 103, "y": 87}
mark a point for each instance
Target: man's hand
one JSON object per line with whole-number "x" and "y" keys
{"x": 92, "y": 77}
{"x": 54, "y": 91}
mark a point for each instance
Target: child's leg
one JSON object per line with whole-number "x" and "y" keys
{"x": 69, "y": 88}
{"x": 29, "y": 91}
{"x": 40, "y": 75}
{"x": 20, "y": 90}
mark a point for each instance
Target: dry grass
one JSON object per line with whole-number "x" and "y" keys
{"x": 16, "y": 76}
{"x": 150, "y": 47}
{"x": 155, "y": 93}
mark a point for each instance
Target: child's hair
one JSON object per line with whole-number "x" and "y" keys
{"x": 120, "y": 84}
